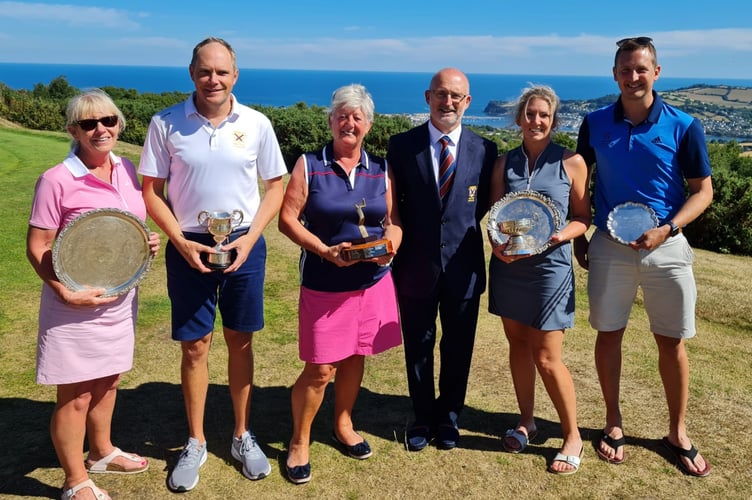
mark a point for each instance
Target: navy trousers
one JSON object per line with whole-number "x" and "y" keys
{"x": 458, "y": 318}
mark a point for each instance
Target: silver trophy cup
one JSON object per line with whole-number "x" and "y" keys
{"x": 516, "y": 230}
{"x": 220, "y": 225}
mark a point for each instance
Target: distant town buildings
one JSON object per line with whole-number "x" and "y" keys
{"x": 725, "y": 112}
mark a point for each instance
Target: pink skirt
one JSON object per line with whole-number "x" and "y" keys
{"x": 333, "y": 326}
{"x": 76, "y": 344}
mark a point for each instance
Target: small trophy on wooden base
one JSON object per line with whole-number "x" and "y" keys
{"x": 368, "y": 246}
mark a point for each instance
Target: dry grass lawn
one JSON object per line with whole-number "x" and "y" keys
{"x": 149, "y": 415}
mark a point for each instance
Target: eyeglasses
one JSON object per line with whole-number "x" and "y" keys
{"x": 91, "y": 123}
{"x": 638, "y": 40}
{"x": 443, "y": 94}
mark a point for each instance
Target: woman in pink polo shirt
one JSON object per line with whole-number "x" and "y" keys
{"x": 85, "y": 340}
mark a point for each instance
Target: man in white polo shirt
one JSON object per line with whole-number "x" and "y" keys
{"x": 207, "y": 153}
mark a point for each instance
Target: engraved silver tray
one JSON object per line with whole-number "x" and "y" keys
{"x": 522, "y": 205}
{"x": 627, "y": 221}
{"x": 103, "y": 248}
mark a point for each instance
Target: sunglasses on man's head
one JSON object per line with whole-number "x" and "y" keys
{"x": 639, "y": 40}
{"x": 91, "y": 123}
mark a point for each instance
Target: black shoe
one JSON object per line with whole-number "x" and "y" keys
{"x": 361, "y": 451}
{"x": 447, "y": 436}
{"x": 418, "y": 437}
{"x": 299, "y": 474}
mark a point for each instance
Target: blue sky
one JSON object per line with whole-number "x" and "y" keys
{"x": 487, "y": 36}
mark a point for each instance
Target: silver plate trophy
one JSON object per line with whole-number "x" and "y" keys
{"x": 220, "y": 225}
{"x": 525, "y": 219}
{"x": 103, "y": 248}
{"x": 627, "y": 221}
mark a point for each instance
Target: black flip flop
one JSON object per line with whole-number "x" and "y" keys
{"x": 690, "y": 454}
{"x": 613, "y": 443}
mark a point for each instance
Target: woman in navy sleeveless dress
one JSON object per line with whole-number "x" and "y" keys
{"x": 534, "y": 295}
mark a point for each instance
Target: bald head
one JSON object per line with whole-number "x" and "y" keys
{"x": 448, "y": 97}
{"x": 450, "y": 75}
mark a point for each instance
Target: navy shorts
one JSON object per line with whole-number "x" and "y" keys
{"x": 195, "y": 296}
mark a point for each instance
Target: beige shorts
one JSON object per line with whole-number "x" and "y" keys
{"x": 664, "y": 274}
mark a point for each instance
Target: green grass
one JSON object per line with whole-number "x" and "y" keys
{"x": 149, "y": 415}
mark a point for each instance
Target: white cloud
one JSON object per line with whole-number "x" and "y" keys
{"x": 728, "y": 39}
{"x": 546, "y": 54}
{"x": 155, "y": 42}
{"x": 682, "y": 53}
{"x": 74, "y": 15}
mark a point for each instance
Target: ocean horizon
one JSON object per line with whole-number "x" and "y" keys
{"x": 393, "y": 92}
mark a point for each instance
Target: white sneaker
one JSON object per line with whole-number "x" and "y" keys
{"x": 246, "y": 449}
{"x": 184, "y": 476}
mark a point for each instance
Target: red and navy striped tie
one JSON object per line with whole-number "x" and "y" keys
{"x": 446, "y": 168}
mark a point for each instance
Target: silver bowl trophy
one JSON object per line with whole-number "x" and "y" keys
{"x": 368, "y": 246}
{"x": 524, "y": 221}
{"x": 628, "y": 221}
{"x": 516, "y": 229}
{"x": 220, "y": 224}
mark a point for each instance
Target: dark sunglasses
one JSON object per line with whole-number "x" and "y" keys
{"x": 639, "y": 40}
{"x": 91, "y": 123}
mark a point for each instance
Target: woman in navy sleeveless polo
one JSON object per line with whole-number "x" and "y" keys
{"x": 534, "y": 295}
{"x": 347, "y": 309}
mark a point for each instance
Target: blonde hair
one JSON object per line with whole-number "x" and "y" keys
{"x": 538, "y": 92}
{"x": 88, "y": 103}
{"x": 92, "y": 101}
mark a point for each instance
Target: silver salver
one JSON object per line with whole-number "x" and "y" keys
{"x": 628, "y": 221}
{"x": 527, "y": 219}
{"x": 103, "y": 248}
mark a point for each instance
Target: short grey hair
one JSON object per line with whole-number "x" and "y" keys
{"x": 352, "y": 96}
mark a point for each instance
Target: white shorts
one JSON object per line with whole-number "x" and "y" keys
{"x": 665, "y": 275}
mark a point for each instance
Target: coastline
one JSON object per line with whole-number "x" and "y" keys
{"x": 393, "y": 92}
{"x": 724, "y": 116}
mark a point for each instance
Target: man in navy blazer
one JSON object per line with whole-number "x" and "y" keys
{"x": 440, "y": 266}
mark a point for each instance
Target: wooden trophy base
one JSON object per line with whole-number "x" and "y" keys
{"x": 369, "y": 250}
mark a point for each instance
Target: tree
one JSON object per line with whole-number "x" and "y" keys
{"x": 726, "y": 226}
{"x": 59, "y": 88}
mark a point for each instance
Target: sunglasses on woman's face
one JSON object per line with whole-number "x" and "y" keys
{"x": 91, "y": 123}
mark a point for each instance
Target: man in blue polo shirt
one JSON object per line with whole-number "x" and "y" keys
{"x": 644, "y": 151}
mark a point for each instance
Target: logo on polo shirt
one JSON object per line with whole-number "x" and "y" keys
{"x": 608, "y": 141}
{"x": 657, "y": 140}
{"x": 238, "y": 139}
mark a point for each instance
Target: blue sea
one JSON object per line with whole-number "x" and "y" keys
{"x": 393, "y": 92}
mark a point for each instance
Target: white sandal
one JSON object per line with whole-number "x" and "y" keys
{"x": 71, "y": 493}
{"x": 573, "y": 461}
{"x": 105, "y": 466}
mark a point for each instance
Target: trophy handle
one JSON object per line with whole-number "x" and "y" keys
{"x": 237, "y": 218}
{"x": 203, "y": 216}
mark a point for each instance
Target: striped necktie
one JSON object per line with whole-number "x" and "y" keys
{"x": 446, "y": 168}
